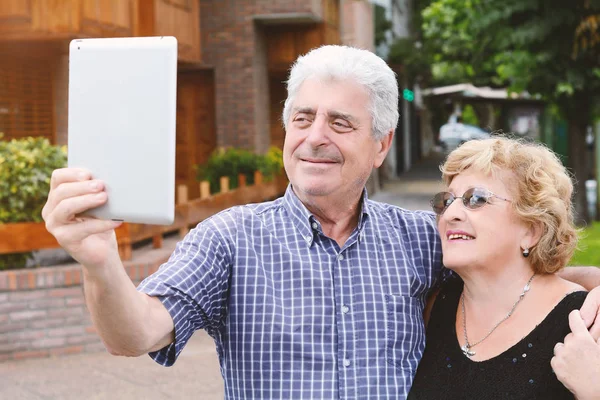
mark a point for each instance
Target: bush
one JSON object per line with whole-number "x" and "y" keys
{"x": 25, "y": 169}
{"x": 231, "y": 162}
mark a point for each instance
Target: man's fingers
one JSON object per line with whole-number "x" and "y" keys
{"x": 66, "y": 210}
{"x": 595, "y": 330}
{"x": 90, "y": 226}
{"x": 68, "y": 190}
{"x": 568, "y": 338}
{"x": 590, "y": 313}
{"x": 590, "y": 307}
{"x": 558, "y": 347}
{"x": 554, "y": 364}
{"x": 576, "y": 323}
{"x": 63, "y": 175}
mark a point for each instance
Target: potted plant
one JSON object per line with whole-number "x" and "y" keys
{"x": 232, "y": 162}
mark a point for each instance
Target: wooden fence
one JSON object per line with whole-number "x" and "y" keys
{"x": 33, "y": 236}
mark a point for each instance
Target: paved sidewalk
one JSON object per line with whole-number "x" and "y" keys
{"x": 196, "y": 374}
{"x": 415, "y": 188}
{"x": 100, "y": 376}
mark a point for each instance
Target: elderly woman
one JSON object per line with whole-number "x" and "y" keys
{"x": 506, "y": 223}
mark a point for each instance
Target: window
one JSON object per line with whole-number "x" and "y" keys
{"x": 26, "y": 106}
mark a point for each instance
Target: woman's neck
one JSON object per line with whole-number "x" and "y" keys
{"x": 497, "y": 287}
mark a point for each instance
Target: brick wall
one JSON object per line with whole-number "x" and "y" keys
{"x": 232, "y": 44}
{"x": 358, "y": 24}
{"x": 43, "y": 312}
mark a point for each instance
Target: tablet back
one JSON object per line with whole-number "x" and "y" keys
{"x": 122, "y": 109}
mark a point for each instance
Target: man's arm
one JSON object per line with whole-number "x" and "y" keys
{"x": 129, "y": 322}
{"x": 589, "y": 278}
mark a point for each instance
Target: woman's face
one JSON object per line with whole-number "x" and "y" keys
{"x": 486, "y": 236}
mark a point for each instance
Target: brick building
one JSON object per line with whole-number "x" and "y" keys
{"x": 233, "y": 58}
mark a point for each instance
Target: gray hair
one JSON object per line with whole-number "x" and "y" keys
{"x": 343, "y": 62}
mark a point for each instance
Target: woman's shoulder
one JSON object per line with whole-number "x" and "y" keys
{"x": 569, "y": 294}
{"x": 571, "y": 301}
{"x": 566, "y": 298}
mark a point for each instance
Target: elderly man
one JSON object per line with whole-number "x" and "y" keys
{"x": 318, "y": 294}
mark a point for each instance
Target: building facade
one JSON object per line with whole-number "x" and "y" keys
{"x": 234, "y": 57}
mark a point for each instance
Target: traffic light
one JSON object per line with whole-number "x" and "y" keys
{"x": 408, "y": 95}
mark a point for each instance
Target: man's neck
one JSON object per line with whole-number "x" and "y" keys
{"x": 338, "y": 217}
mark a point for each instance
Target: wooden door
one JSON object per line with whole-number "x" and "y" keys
{"x": 196, "y": 133}
{"x": 277, "y": 96}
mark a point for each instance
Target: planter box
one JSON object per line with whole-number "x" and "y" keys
{"x": 31, "y": 236}
{"x": 25, "y": 236}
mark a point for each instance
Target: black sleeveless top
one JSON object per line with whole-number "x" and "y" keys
{"x": 521, "y": 372}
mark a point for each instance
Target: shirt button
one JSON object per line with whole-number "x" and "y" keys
{"x": 345, "y": 309}
{"x": 346, "y": 363}
{"x": 315, "y": 225}
{"x": 340, "y": 257}
{"x": 308, "y": 238}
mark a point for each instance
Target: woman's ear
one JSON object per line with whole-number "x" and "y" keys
{"x": 533, "y": 235}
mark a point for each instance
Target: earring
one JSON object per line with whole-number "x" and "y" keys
{"x": 525, "y": 253}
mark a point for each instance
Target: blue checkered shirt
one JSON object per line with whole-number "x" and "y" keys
{"x": 293, "y": 315}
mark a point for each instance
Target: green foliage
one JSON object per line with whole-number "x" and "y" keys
{"x": 469, "y": 116}
{"x": 25, "y": 169}
{"x": 521, "y": 44}
{"x": 382, "y": 25}
{"x": 449, "y": 34}
{"x": 271, "y": 164}
{"x": 589, "y": 243}
{"x": 411, "y": 54}
{"x": 231, "y": 162}
{"x": 26, "y": 166}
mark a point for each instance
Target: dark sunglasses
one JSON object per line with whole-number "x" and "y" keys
{"x": 472, "y": 199}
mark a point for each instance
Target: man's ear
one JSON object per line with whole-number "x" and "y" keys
{"x": 383, "y": 148}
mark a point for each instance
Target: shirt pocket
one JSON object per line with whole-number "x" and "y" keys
{"x": 405, "y": 331}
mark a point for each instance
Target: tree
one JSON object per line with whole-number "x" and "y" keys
{"x": 382, "y": 25}
{"x": 547, "y": 47}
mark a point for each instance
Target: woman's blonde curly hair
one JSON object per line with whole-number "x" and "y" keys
{"x": 541, "y": 191}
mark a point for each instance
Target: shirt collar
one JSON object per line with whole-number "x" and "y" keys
{"x": 306, "y": 223}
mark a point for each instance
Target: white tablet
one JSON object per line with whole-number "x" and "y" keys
{"x": 122, "y": 109}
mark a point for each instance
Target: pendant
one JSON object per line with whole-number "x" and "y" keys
{"x": 467, "y": 351}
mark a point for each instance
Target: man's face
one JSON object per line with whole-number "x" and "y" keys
{"x": 329, "y": 147}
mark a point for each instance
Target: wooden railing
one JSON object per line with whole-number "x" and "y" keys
{"x": 33, "y": 236}
{"x": 188, "y": 213}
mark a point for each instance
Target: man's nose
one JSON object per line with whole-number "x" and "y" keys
{"x": 318, "y": 133}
